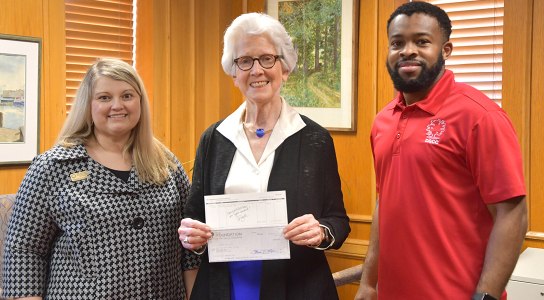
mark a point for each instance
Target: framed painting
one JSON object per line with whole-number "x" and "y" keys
{"x": 323, "y": 86}
{"x": 20, "y": 61}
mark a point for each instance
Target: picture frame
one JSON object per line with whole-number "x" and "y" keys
{"x": 20, "y": 72}
{"x": 324, "y": 89}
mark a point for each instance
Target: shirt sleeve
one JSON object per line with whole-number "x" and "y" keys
{"x": 29, "y": 236}
{"x": 374, "y": 158}
{"x": 494, "y": 158}
{"x": 334, "y": 213}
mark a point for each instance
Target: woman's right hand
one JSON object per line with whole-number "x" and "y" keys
{"x": 193, "y": 234}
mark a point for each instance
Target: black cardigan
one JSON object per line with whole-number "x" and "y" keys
{"x": 305, "y": 167}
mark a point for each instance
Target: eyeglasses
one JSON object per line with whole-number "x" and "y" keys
{"x": 266, "y": 61}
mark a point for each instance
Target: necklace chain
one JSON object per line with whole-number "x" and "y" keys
{"x": 260, "y": 132}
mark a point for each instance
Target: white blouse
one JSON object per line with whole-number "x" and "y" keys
{"x": 247, "y": 175}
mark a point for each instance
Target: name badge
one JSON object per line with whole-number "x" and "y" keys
{"x": 79, "y": 176}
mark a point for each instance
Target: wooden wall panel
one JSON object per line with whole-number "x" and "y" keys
{"x": 22, "y": 17}
{"x": 39, "y": 18}
{"x": 536, "y": 190}
{"x": 238, "y": 7}
{"x": 181, "y": 42}
{"x": 162, "y": 77}
{"x": 144, "y": 48}
{"x": 53, "y": 73}
{"x": 517, "y": 62}
{"x": 208, "y": 57}
{"x": 255, "y": 6}
{"x": 190, "y": 89}
{"x": 386, "y": 91}
{"x": 346, "y": 292}
{"x": 353, "y": 150}
{"x": 183, "y": 69}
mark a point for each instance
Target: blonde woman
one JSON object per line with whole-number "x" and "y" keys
{"x": 96, "y": 216}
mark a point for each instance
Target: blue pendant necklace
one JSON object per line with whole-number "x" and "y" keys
{"x": 260, "y": 132}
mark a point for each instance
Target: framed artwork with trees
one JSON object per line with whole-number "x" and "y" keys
{"x": 323, "y": 86}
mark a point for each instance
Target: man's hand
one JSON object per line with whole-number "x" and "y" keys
{"x": 369, "y": 277}
{"x": 366, "y": 292}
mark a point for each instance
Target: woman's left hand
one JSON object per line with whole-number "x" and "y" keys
{"x": 304, "y": 231}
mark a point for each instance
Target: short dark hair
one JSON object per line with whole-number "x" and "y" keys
{"x": 410, "y": 8}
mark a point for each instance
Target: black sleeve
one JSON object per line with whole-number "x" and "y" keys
{"x": 195, "y": 203}
{"x": 334, "y": 214}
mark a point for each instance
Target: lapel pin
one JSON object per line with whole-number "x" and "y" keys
{"x": 79, "y": 176}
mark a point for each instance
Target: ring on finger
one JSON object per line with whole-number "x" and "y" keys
{"x": 186, "y": 240}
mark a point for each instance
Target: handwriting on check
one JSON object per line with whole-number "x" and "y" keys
{"x": 240, "y": 213}
{"x": 263, "y": 251}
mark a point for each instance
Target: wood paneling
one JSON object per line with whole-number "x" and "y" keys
{"x": 346, "y": 292}
{"x": 523, "y": 77}
{"x": 255, "y": 5}
{"x": 213, "y": 86}
{"x": 536, "y": 190}
{"x": 144, "y": 48}
{"x": 386, "y": 91}
{"x": 183, "y": 68}
{"x": 517, "y": 77}
{"x": 162, "y": 77}
{"x": 190, "y": 89}
{"x": 180, "y": 48}
{"x": 353, "y": 150}
{"x": 53, "y": 73}
{"x": 39, "y": 18}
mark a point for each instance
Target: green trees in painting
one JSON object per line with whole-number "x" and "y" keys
{"x": 315, "y": 26}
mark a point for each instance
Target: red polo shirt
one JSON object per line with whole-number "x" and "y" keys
{"x": 438, "y": 163}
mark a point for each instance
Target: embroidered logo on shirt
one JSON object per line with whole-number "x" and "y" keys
{"x": 435, "y": 129}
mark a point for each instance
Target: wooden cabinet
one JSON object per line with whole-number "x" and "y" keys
{"x": 527, "y": 281}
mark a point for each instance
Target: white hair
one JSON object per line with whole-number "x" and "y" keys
{"x": 257, "y": 24}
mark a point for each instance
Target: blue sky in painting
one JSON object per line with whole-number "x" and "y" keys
{"x": 12, "y": 71}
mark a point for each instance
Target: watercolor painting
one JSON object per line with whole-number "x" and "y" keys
{"x": 12, "y": 98}
{"x": 20, "y": 69}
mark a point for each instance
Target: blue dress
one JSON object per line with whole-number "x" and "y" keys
{"x": 245, "y": 279}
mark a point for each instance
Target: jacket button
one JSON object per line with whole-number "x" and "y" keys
{"x": 138, "y": 223}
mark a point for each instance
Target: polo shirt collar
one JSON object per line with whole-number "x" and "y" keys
{"x": 436, "y": 96}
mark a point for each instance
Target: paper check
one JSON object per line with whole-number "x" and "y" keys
{"x": 247, "y": 226}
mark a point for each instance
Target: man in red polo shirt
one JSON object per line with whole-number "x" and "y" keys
{"x": 452, "y": 211}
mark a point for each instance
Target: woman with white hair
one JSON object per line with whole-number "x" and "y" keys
{"x": 96, "y": 216}
{"x": 265, "y": 145}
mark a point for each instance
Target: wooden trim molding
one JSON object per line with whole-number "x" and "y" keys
{"x": 534, "y": 235}
{"x": 356, "y": 248}
{"x": 351, "y": 249}
{"x": 360, "y": 218}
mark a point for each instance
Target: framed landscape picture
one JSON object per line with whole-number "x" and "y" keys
{"x": 323, "y": 85}
{"x": 20, "y": 61}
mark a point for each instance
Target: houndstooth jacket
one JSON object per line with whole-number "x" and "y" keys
{"x": 92, "y": 235}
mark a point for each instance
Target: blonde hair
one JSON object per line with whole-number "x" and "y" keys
{"x": 151, "y": 158}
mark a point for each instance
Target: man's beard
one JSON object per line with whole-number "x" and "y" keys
{"x": 425, "y": 79}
